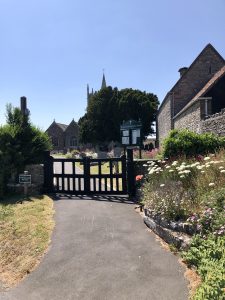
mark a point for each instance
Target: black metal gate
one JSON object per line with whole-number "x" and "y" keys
{"x": 85, "y": 176}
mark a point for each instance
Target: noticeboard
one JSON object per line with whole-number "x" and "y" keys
{"x": 131, "y": 133}
{"x": 23, "y": 178}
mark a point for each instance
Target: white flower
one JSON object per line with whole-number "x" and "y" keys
{"x": 182, "y": 176}
{"x": 145, "y": 165}
{"x": 152, "y": 171}
{"x": 221, "y": 168}
{"x": 187, "y": 171}
{"x": 163, "y": 161}
{"x": 175, "y": 163}
{"x": 222, "y": 171}
{"x": 162, "y": 185}
{"x": 202, "y": 172}
{"x": 211, "y": 184}
{"x": 168, "y": 167}
{"x": 207, "y": 158}
{"x": 171, "y": 171}
{"x": 200, "y": 167}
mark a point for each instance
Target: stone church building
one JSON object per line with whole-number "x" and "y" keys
{"x": 197, "y": 100}
{"x": 64, "y": 137}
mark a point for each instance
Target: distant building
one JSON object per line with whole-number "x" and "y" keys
{"x": 92, "y": 93}
{"x": 64, "y": 137}
{"x": 197, "y": 100}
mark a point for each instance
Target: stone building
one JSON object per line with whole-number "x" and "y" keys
{"x": 64, "y": 137}
{"x": 197, "y": 101}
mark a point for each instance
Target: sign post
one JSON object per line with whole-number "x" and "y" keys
{"x": 25, "y": 179}
{"x": 131, "y": 137}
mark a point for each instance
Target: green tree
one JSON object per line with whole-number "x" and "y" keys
{"x": 109, "y": 107}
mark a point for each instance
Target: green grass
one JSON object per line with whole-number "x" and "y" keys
{"x": 26, "y": 228}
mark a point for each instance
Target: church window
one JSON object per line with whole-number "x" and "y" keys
{"x": 73, "y": 141}
{"x": 55, "y": 141}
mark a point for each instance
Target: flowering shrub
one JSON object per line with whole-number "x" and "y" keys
{"x": 178, "y": 189}
{"x": 139, "y": 180}
{"x": 194, "y": 191}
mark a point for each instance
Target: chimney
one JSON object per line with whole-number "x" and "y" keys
{"x": 182, "y": 71}
{"x": 23, "y": 105}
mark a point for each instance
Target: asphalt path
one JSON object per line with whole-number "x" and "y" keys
{"x": 101, "y": 250}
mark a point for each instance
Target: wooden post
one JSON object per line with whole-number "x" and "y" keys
{"x": 140, "y": 156}
{"x": 86, "y": 162}
{"x": 48, "y": 172}
{"x": 124, "y": 173}
{"x": 130, "y": 173}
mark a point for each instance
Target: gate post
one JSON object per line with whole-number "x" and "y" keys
{"x": 48, "y": 172}
{"x": 86, "y": 161}
{"x": 124, "y": 173}
{"x": 130, "y": 173}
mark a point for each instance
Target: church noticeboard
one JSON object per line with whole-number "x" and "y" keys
{"x": 131, "y": 133}
{"x": 23, "y": 178}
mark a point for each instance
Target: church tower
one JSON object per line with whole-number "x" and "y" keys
{"x": 90, "y": 94}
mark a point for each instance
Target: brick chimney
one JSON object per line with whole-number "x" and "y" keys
{"x": 182, "y": 71}
{"x": 23, "y": 105}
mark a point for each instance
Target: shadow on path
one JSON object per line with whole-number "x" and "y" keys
{"x": 107, "y": 198}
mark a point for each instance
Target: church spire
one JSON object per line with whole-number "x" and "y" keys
{"x": 103, "y": 81}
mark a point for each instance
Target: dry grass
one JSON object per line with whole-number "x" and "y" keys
{"x": 25, "y": 230}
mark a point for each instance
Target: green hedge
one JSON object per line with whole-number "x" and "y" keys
{"x": 188, "y": 143}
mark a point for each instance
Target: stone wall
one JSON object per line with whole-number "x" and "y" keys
{"x": 189, "y": 119}
{"x": 37, "y": 181}
{"x": 164, "y": 121}
{"x": 37, "y": 174}
{"x": 214, "y": 124}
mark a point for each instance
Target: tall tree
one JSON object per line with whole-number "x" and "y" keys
{"x": 109, "y": 107}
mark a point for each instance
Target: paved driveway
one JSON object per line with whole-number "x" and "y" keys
{"x": 101, "y": 250}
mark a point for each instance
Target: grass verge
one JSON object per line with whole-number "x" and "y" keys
{"x": 25, "y": 230}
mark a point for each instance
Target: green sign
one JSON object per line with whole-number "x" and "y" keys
{"x": 23, "y": 178}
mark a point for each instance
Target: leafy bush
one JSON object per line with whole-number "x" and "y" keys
{"x": 21, "y": 143}
{"x": 208, "y": 256}
{"x": 188, "y": 143}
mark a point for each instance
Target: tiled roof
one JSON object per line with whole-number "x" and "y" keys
{"x": 62, "y": 126}
{"x": 204, "y": 90}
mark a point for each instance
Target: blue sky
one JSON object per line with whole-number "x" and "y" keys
{"x": 50, "y": 49}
